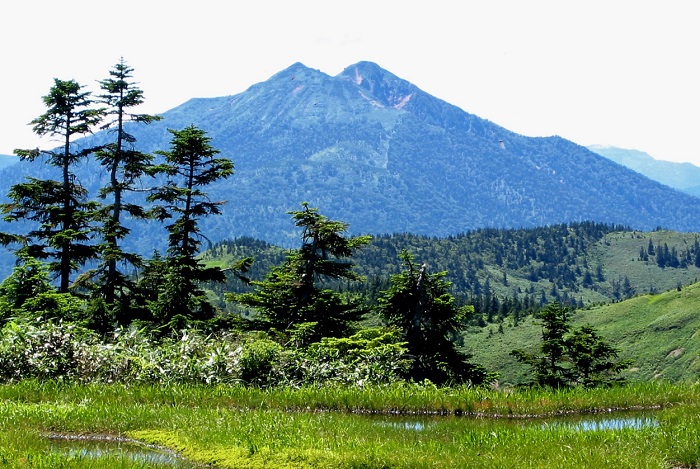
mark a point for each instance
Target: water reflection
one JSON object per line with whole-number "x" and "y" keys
{"x": 119, "y": 449}
{"x": 406, "y": 425}
{"x": 605, "y": 423}
{"x": 618, "y": 421}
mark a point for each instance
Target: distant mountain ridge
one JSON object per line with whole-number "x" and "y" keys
{"x": 372, "y": 149}
{"x": 7, "y": 160}
{"x": 682, "y": 176}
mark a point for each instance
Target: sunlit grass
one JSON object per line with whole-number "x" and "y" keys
{"x": 233, "y": 426}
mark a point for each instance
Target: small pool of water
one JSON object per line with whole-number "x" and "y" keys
{"x": 121, "y": 449}
{"x": 607, "y": 422}
{"x": 597, "y": 422}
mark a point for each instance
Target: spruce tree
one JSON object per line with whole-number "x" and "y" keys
{"x": 59, "y": 207}
{"x": 420, "y": 305}
{"x": 292, "y": 294}
{"x": 190, "y": 166}
{"x": 569, "y": 358}
{"x": 125, "y": 166}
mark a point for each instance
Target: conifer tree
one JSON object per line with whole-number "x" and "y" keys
{"x": 291, "y": 294}
{"x": 125, "y": 166}
{"x": 190, "y": 165}
{"x": 60, "y": 207}
{"x": 419, "y": 304}
{"x": 568, "y": 358}
{"x": 594, "y": 360}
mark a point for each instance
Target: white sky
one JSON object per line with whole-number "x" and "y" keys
{"x": 617, "y": 72}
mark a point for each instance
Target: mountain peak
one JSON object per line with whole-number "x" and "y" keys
{"x": 377, "y": 152}
{"x": 384, "y": 87}
{"x": 297, "y": 71}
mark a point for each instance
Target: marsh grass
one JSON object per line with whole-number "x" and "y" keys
{"x": 233, "y": 426}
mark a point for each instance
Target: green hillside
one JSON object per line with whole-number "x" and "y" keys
{"x": 659, "y": 333}
{"x": 579, "y": 264}
{"x": 506, "y": 274}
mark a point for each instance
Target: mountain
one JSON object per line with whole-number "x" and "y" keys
{"x": 682, "y": 176}
{"x": 375, "y": 151}
{"x": 7, "y": 160}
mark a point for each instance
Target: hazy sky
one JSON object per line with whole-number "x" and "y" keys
{"x": 615, "y": 72}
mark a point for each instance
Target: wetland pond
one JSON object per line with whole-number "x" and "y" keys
{"x": 122, "y": 449}
{"x": 635, "y": 420}
{"x": 101, "y": 447}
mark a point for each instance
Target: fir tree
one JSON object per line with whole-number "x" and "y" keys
{"x": 420, "y": 306}
{"x": 291, "y": 295}
{"x": 190, "y": 165}
{"x": 125, "y": 166}
{"x": 60, "y": 207}
{"x": 568, "y": 358}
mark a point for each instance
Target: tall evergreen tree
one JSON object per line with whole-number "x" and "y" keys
{"x": 59, "y": 206}
{"x": 420, "y": 306}
{"x": 125, "y": 166}
{"x": 291, "y": 294}
{"x": 190, "y": 165}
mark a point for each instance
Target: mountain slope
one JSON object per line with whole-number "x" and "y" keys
{"x": 681, "y": 176}
{"x": 658, "y": 333}
{"x": 371, "y": 149}
{"x": 7, "y": 160}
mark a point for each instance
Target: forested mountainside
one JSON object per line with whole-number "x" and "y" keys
{"x": 504, "y": 271}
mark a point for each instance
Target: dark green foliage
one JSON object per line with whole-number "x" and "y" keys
{"x": 568, "y": 358}
{"x": 258, "y": 361}
{"x": 593, "y": 359}
{"x": 371, "y": 356}
{"x": 419, "y": 305}
{"x": 191, "y": 165}
{"x": 125, "y": 166}
{"x": 59, "y": 207}
{"x": 27, "y": 294}
{"x": 290, "y": 295}
{"x": 28, "y": 280}
{"x": 550, "y": 367}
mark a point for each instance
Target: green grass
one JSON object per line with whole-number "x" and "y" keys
{"x": 659, "y": 333}
{"x": 340, "y": 428}
{"x": 618, "y": 253}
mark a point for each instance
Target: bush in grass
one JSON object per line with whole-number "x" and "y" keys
{"x": 258, "y": 361}
{"x": 48, "y": 350}
{"x": 371, "y": 356}
{"x": 135, "y": 356}
{"x": 65, "y": 351}
{"x": 58, "y": 350}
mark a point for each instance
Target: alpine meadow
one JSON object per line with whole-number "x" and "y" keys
{"x": 345, "y": 271}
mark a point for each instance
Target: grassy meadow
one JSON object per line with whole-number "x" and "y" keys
{"x": 401, "y": 426}
{"x": 658, "y": 333}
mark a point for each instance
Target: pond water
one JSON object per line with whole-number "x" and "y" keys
{"x": 593, "y": 422}
{"x": 96, "y": 447}
{"x": 116, "y": 448}
{"x": 607, "y": 422}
